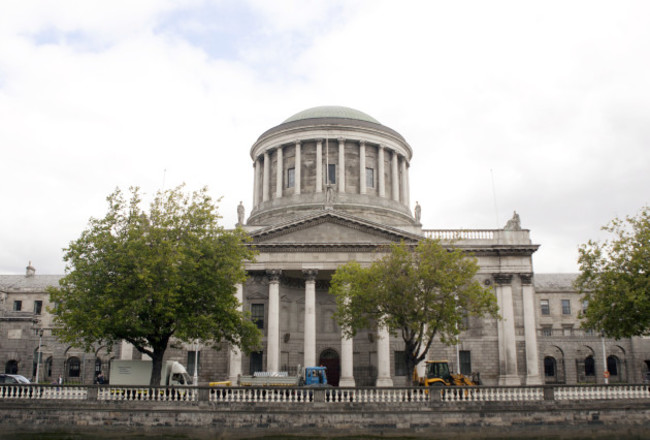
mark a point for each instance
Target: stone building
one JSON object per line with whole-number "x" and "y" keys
{"x": 331, "y": 185}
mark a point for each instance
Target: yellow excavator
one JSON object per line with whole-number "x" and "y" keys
{"x": 437, "y": 373}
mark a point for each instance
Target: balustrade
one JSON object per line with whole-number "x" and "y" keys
{"x": 333, "y": 395}
{"x": 459, "y": 234}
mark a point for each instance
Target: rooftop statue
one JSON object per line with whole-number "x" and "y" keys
{"x": 514, "y": 224}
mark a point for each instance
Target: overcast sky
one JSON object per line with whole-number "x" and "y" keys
{"x": 542, "y": 107}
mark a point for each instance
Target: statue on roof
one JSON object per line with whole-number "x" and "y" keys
{"x": 240, "y": 214}
{"x": 418, "y": 212}
{"x": 514, "y": 224}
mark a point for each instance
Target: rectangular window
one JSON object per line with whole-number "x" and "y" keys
{"x": 18, "y": 306}
{"x": 370, "y": 177}
{"x": 38, "y": 307}
{"x": 257, "y": 315}
{"x": 566, "y": 307}
{"x": 291, "y": 177}
{"x": 400, "y": 363}
{"x": 585, "y": 303}
{"x": 567, "y": 330}
{"x": 465, "y": 362}
{"x": 546, "y": 310}
{"x": 547, "y": 331}
{"x": 191, "y": 355}
{"x": 331, "y": 174}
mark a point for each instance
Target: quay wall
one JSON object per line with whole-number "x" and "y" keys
{"x": 610, "y": 419}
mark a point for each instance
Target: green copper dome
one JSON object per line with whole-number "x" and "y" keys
{"x": 331, "y": 111}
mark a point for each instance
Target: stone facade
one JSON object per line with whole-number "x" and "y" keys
{"x": 331, "y": 185}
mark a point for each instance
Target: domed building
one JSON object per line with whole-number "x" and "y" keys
{"x": 331, "y": 185}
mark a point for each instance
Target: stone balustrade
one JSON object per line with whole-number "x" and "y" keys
{"x": 459, "y": 234}
{"x": 306, "y": 395}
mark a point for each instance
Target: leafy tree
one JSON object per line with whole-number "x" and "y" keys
{"x": 145, "y": 277}
{"x": 615, "y": 278}
{"x": 419, "y": 292}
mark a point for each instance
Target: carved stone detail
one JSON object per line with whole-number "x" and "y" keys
{"x": 502, "y": 278}
{"x": 526, "y": 278}
{"x": 310, "y": 274}
{"x": 274, "y": 275}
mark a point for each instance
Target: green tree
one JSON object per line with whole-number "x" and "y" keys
{"x": 148, "y": 277}
{"x": 614, "y": 278}
{"x": 419, "y": 292}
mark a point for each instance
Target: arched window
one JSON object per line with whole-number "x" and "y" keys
{"x": 549, "y": 366}
{"x": 74, "y": 367}
{"x": 48, "y": 367}
{"x": 98, "y": 366}
{"x": 612, "y": 365}
{"x": 11, "y": 367}
{"x": 590, "y": 366}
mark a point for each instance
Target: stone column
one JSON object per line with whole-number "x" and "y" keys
{"x": 347, "y": 362}
{"x": 381, "y": 183}
{"x": 265, "y": 177}
{"x": 506, "y": 332}
{"x": 395, "y": 177}
{"x": 296, "y": 189}
{"x": 408, "y": 186}
{"x": 319, "y": 165}
{"x": 273, "y": 333}
{"x": 403, "y": 186}
{"x": 235, "y": 353}
{"x": 533, "y": 376}
{"x": 279, "y": 173}
{"x": 310, "y": 317}
{"x": 256, "y": 185}
{"x": 341, "y": 175}
{"x": 362, "y": 167}
{"x": 383, "y": 358}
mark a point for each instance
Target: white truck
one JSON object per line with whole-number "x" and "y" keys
{"x": 138, "y": 373}
{"x": 310, "y": 376}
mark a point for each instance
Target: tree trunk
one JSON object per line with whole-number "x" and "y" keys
{"x": 156, "y": 370}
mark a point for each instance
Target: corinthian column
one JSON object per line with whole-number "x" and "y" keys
{"x": 266, "y": 177}
{"x": 319, "y": 165}
{"x": 506, "y": 331}
{"x": 362, "y": 167}
{"x": 395, "y": 177}
{"x": 235, "y": 353}
{"x": 279, "y": 173}
{"x": 347, "y": 361}
{"x": 341, "y": 175}
{"x": 273, "y": 333}
{"x": 383, "y": 358}
{"x": 403, "y": 184}
{"x": 310, "y": 317}
{"x": 533, "y": 376}
{"x": 256, "y": 179}
{"x": 296, "y": 189}
{"x": 380, "y": 171}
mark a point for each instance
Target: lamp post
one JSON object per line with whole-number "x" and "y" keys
{"x": 195, "y": 379}
{"x": 605, "y": 371}
{"x": 38, "y": 355}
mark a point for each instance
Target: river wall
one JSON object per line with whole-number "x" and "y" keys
{"x": 611, "y": 419}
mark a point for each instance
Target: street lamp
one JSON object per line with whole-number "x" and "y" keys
{"x": 195, "y": 379}
{"x": 605, "y": 371}
{"x": 38, "y": 355}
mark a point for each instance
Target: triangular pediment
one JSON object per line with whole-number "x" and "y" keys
{"x": 330, "y": 229}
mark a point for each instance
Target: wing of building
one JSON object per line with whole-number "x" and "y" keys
{"x": 331, "y": 185}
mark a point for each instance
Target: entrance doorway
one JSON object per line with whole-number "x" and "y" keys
{"x": 329, "y": 358}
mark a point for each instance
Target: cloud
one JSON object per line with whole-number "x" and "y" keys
{"x": 539, "y": 107}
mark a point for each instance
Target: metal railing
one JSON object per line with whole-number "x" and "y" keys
{"x": 333, "y": 395}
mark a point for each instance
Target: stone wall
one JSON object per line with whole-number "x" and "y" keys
{"x": 597, "y": 419}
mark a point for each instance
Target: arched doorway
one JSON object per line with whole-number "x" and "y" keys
{"x": 329, "y": 358}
